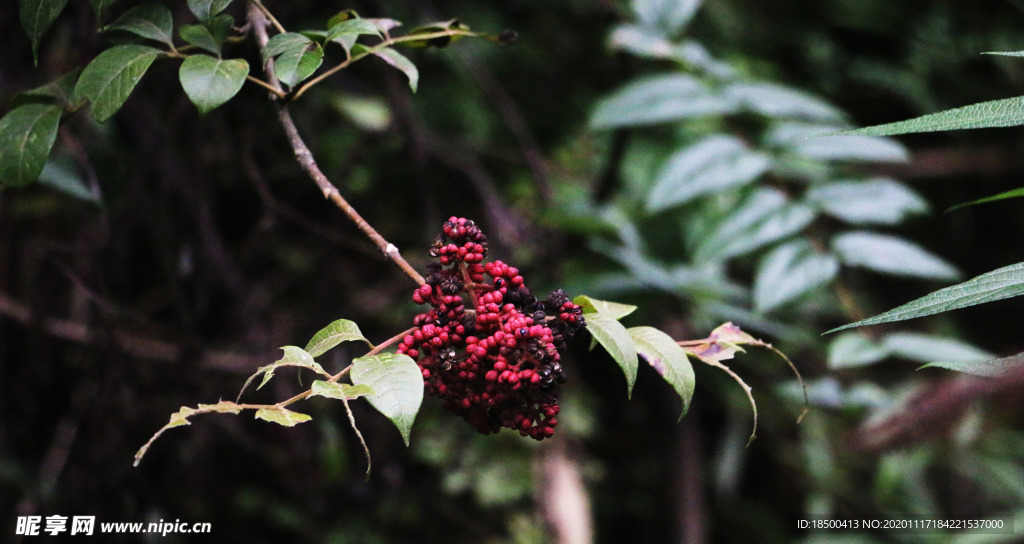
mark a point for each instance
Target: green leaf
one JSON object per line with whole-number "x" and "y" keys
{"x": 339, "y": 391}
{"x": 990, "y": 368}
{"x": 821, "y": 143}
{"x": 209, "y": 36}
{"x": 210, "y": 82}
{"x": 36, "y": 18}
{"x": 764, "y": 217}
{"x": 58, "y": 91}
{"x": 151, "y": 20}
{"x": 879, "y": 201}
{"x": 397, "y": 383}
{"x": 666, "y": 16}
{"x": 401, "y": 63}
{"x": 617, "y": 342}
{"x": 668, "y": 360}
{"x": 110, "y": 78}
{"x": 780, "y": 102}
{"x": 27, "y": 134}
{"x": 352, "y": 27}
{"x": 890, "y": 255}
{"x": 658, "y": 99}
{"x": 927, "y": 348}
{"x": 337, "y": 332}
{"x": 205, "y": 10}
{"x": 1015, "y": 193}
{"x": 282, "y": 416}
{"x": 998, "y": 284}
{"x": 99, "y": 5}
{"x": 615, "y": 310}
{"x": 789, "y": 271}
{"x": 711, "y": 165}
{"x": 296, "y": 57}
{"x": 1006, "y": 112}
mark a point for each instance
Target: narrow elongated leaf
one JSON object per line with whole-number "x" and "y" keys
{"x": 615, "y": 310}
{"x": 397, "y": 383}
{"x": 36, "y": 18}
{"x": 658, "y": 99}
{"x": 891, "y": 255}
{"x": 110, "y": 78}
{"x": 878, "y": 201}
{"x": 337, "y": 332}
{"x": 615, "y": 339}
{"x": 990, "y": 368}
{"x": 1015, "y": 193}
{"x": 151, "y": 20}
{"x": 345, "y": 391}
{"x": 402, "y": 64}
{"x": 998, "y": 284}
{"x": 27, "y": 134}
{"x": 210, "y": 82}
{"x": 668, "y": 359}
{"x": 1006, "y": 112}
{"x": 790, "y": 271}
{"x": 713, "y": 164}
{"x": 282, "y": 416}
{"x": 927, "y": 348}
{"x": 204, "y": 10}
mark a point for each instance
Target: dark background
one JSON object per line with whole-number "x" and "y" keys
{"x": 209, "y": 249}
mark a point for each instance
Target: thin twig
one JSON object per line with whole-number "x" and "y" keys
{"x": 277, "y": 92}
{"x": 257, "y": 17}
{"x": 378, "y": 48}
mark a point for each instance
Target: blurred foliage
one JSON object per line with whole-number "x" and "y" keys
{"x": 166, "y": 257}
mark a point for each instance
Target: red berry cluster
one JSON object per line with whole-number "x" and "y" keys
{"x": 497, "y": 363}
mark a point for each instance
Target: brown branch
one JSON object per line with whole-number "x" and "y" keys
{"x": 305, "y": 158}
